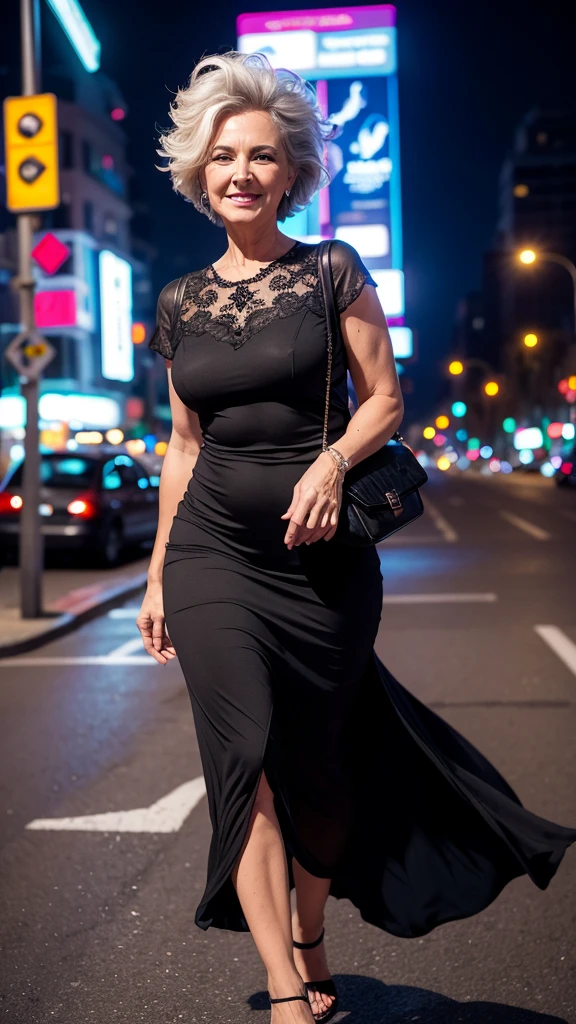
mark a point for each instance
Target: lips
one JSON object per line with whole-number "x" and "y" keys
{"x": 243, "y": 198}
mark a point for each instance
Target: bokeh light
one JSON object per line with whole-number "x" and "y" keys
{"x": 486, "y": 452}
{"x": 443, "y": 463}
{"x": 462, "y": 434}
{"x": 527, "y": 256}
{"x": 459, "y": 409}
{"x": 509, "y": 425}
{"x": 473, "y": 454}
{"x": 505, "y": 467}
{"x": 474, "y": 442}
{"x": 136, "y": 446}
{"x": 568, "y": 431}
{"x": 547, "y": 469}
{"x": 442, "y": 422}
{"x": 495, "y": 465}
{"x": 491, "y": 388}
{"x": 160, "y": 447}
{"x": 556, "y": 461}
{"x": 429, "y": 433}
{"x": 456, "y": 367}
{"x": 115, "y": 435}
{"x": 439, "y": 440}
{"x": 526, "y": 456}
{"x": 530, "y": 340}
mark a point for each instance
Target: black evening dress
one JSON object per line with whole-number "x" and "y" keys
{"x": 372, "y": 789}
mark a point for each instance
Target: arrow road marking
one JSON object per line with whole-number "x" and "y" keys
{"x": 535, "y": 531}
{"x": 560, "y": 644}
{"x": 166, "y": 815}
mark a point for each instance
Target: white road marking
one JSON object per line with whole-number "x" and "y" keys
{"x": 127, "y": 648}
{"x": 95, "y": 659}
{"x": 166, "y": 815}
{"x": 522, "y": 524}
{"x": 441, "y": 524}
{"x": 439, "y": 598}
{"x": 123, "y": 613}
{"x": 560, "y": 644}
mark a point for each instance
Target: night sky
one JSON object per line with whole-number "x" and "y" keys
{"x": 467, "y": 73}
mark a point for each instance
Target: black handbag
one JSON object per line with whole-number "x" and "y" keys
{"x": 379, "y": 494}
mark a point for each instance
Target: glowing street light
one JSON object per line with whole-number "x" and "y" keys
{"x": 527, "y": 256}
{"x": 456, "y": 368}
{"x": 491, "y": 388}
{"x": 530, "y": 340}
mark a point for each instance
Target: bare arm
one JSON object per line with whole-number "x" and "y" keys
{"x": 177, "y": 468}
{"x": 315, "y": 505}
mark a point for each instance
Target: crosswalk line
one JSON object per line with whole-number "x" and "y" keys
{"x": 523, "y": 524}
{"x": 560, "y": 644}
{"x": 441, "y": 523}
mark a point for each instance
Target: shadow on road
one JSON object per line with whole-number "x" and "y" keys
{"x": 368, "y": 1001}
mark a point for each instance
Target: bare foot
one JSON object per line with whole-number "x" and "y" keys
{"x": 311, "y": 964}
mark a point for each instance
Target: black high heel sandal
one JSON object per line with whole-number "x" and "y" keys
{"x": 325, "y": 987}
{"x": 288, "y": 999}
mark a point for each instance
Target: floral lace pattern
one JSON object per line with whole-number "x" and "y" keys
{"x": 233, "y": 311}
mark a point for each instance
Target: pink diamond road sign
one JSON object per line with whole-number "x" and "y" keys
{"x": 50, "y": 253}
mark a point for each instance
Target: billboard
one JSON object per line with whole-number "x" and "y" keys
{"x": 116, "y": 317}
{"x": 350, "y": 54}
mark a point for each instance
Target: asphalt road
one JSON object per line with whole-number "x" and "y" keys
{"x": 97, "y": 924}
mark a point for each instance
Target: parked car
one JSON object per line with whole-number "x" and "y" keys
{"x": 96, "y": 501}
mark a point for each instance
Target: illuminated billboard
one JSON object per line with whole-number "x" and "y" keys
{"x": 116, "y": 317}
{"x": 350, "y": 53}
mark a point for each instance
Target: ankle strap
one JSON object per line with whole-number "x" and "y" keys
{"x": 310, "y": 945}
{"x": 288, "y": 999}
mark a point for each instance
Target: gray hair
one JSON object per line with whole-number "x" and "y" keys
{"x": 233, "y": 83}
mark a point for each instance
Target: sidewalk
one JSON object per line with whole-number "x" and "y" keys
{"x": 70, "y": 597}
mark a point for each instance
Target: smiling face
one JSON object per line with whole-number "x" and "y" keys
{"x": 247, "y": 171}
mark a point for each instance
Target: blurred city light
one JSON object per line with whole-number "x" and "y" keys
{"x": 88, "y": 437}
{"x": 526, "y": 456}
{"x": 547, "y": 469}
{"x": 495, "y": 465}
{"x": 521, "y": 191}
{"x": 505, "y": 467}
{"x": 429, "y": 432}
{"x": 138, "y": 333}
{"x": 160, "y": 448}
{"x": 16, "y": 501}
{"x": 439, "y": 440}
{"x": 554, "y": 430}
{"x": 462, "y": 434}
{"x": 568, "y": 431}
{"x": 443, "y": 463}
{"x": 491, "y": 388}
{"x": 529, "y": 437}
{"x": 527, "y": 256}
{"x": 136, "y": 446}
{"x": 509, "y": 425}
{"x": 474, "y": 442}
{"x": 556, "y": 461}
{"x": 486, "y": 452}
{"x": 17, "y": 452}
{"x": 563, "y": 386}
{"x": 114, "y": 436}
{"x": 459, "y": 409}
{"x": 117, "y": 114}
{"x": 530, "y": 340}
{"x": 442, "y": 422}
{"x": 572, "y": 382}
{"x": 473, "y": 454}
{"x": 463, "y": 462}
{"x": 567, "y": 468}
{"x": 456, "y": 367}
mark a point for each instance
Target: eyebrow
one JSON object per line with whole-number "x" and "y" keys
{"x": 230, "y": 149}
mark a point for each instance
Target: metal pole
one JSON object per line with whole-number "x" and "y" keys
{"x": 31, "y": 540}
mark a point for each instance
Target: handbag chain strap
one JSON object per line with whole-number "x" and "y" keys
{"x": 327, "y": 281}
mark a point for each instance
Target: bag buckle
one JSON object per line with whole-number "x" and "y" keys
{"x": 394, "y": 500}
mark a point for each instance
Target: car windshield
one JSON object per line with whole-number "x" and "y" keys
{"x": 62, "y": 471}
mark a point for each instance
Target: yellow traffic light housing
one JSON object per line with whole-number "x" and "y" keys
{"x": 31, "y": 144}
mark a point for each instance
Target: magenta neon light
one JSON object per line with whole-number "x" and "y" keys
{"x": 322, "y": 19}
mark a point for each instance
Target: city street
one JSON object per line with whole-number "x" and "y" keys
{"x": 105, "y": 825}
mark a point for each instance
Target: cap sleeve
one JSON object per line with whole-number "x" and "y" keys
{"x": 349, "y": 274}
{"x": 162, "y": 337}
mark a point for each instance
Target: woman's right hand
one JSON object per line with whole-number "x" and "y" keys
{"x": 152, "y": 625}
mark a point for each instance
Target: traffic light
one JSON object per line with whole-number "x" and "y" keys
{"x": 31, "y": 144}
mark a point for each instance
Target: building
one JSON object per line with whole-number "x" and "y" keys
{"x": 103, "y": 375}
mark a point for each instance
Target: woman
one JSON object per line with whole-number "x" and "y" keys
{"x": 322, "y": 772}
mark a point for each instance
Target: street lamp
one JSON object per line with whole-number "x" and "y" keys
{"x": 530, "y": 340}
{"x": 528, "y": 256}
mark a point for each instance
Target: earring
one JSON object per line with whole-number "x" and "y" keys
{"x": 204, "y": 199}
{"x": 287, "y": 192}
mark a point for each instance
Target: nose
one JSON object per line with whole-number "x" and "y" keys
{"x": 242, "y": 172}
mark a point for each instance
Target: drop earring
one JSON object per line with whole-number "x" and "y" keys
{"x": 287, "y": 192}
{"x": 204, "y": 200}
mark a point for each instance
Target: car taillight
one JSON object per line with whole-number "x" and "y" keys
{"x": 83, "y": 507}
{"x": 10, "y": 502}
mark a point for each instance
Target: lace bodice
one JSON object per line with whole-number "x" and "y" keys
{"x": 233, "y": 311}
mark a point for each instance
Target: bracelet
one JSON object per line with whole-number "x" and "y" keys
{"x": 342, "y": 463}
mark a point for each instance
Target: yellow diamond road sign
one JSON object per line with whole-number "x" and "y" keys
{"x": 31, "y": 144}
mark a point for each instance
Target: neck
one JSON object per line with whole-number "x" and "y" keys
{"x": 254, "y": 246}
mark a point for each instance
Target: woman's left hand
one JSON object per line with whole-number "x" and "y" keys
{"x": 315, "y": 505}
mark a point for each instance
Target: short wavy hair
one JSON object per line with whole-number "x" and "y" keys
{"x": 233, "y": 83}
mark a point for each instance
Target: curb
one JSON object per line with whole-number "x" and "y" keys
{"x": 58, "y": 625}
